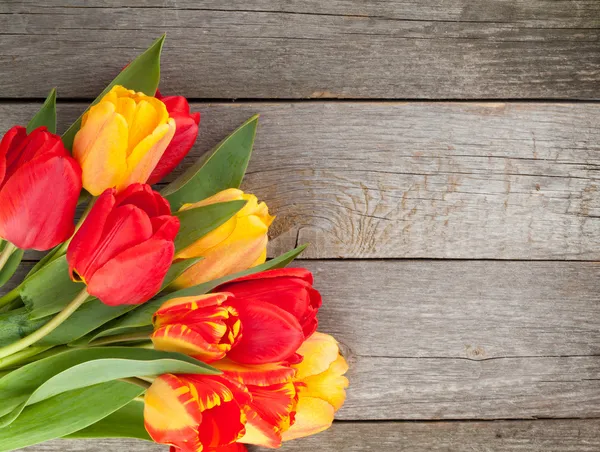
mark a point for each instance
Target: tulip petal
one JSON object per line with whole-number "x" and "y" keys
{"x": 13, "y": 139}
{"x": 256, "y": 374}
{"x": 133, "y": 276}
{"x": 319, "y": 352}
{"x": 125, "y": 227}
{"x": 184, "y": 304}
{"x": 312, "y": 416}
{"x": 222, "y": 424}
{"x": 259, "y": 432}
{"x": 30, "y": 217}
{"x": 301, "y": 273}
{"x": 100, "y": 147}
{"x": 329, "y": 385}
{"x": 88, "y": 236}
{"x": 270, "y": 334}
{"x": 169, "y": 415}
{"x": 183, "y": 339}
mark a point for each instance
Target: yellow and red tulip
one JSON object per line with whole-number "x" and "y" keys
{"x": 195, "y": 413}
{"x": 321, "y": 386}
{"x": 124, "y": 247}
{"x": 39, "y": 188}
{"x": 121, "y": 140}
{"x": 288, "y": 288}
{"x": 203, "y": 327}
{"x": 236, "y": 245}
{"x": 185, "y": 135}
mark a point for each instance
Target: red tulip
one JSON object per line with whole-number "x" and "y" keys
{"x": 186, "y": 131}
{"x": 125, "y": 247}
{"x": 288, "y": 288}
{"x": 39, "y": 187}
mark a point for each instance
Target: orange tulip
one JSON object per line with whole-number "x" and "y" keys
{"x": 321, "y": 386}
{"x": 195, "y": 413}
{"x": 202, "y": 327}
{"x": 238, "y": 244}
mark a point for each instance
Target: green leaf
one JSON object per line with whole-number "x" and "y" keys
{"x": 11, "y": 265}
{"x": 196, "y": 223}
{"x": 15, "y": 325}
{"x": 142, "y": 74}
{"x": 142, "y": 315}
{"x": 46, "y": 116}
{"x": 127, "y": 422}
{"x": 77, "y": 368}
{"x": 66, "y": 414}
{"x": 222, "y": 168}
{"x": 50, "y": 289}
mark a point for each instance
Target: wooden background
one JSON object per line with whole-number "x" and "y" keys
{"x": 442, "y": 157}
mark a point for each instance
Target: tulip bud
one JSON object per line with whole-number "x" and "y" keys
{"x": 124, "y": 247}
{"x": 321, "y": 386}
{"x": 185, "y": 135}
{"x": 195, "y": 412}
{"x": 288, "y": 288}
{"x": 202, "y": 327}
{"x": 238, "y": 244}
{"x": 121, "y": 140}
{"x": 39, "y": 188}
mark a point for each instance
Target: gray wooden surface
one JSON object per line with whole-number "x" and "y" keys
{"x": 455, "y": 240}
{"x": 300, "y": 49}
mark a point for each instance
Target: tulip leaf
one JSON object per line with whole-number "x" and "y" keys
{"x": 66, "y": 413}
{"x": 127, "y": 422}
{"x": 15, "y": 325}
{"x": 142, "y": 74}
{"x": 218, "y": 170}
{"x": 142, "y": 315}
{"x": 46, "y": 116}
{"x": 196, "y": 223}
{"x": 11, "y": 265}
{"x": 78, "y": 368}
{"x": 49, "y": 290}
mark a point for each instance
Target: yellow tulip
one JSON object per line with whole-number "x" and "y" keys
{"x": 121, "y": 140}
{"x": 238, "y": 244}
{"x": 321, "y": 386}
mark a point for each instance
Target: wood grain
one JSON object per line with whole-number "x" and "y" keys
{"x": 465, "y": 340}
{"x": 309, "y": 49}
{"x": 499, "y": 436}
{"x": 416, "y": 180}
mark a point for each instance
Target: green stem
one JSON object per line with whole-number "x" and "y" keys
{"x": 5, "y": 254}
{"x": 10, "y": 296}
{"x": 120, "y": 338}
{"x": 47, "y": 328}
{"x": 137, "y": 381}
{"x": 22, "y": 356}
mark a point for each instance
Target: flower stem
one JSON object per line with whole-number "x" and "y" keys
{"x": 47, "y": 328}
{"x": 22, "y": 356}
{"x": 5, "y": 254}
{"x": 10, "y": 296}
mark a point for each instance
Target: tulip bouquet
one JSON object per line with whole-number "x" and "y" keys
{"x": 154, "y": 313}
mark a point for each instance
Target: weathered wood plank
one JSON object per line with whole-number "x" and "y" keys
{"x": 417, "y": 180}
{"x": 465, "y": 340}
{"x": 499, "y": 436}
{"x": 299, "y": 49}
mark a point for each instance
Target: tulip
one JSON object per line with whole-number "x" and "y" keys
{"x": 274, "y": 399}
{"x": 39, "y": 188}
{"x": 124, "y": 247}
{"x": 288, "y": 288}
{"x": 238, "y": 244}
{"x": 321, "y": 386}
{"x": 213, "y": 326}
{"x": 202, "y": 327}
{"x": 185, "y": 135}
{"x": 195, "y": 412}
{"x": 121, "y": 140}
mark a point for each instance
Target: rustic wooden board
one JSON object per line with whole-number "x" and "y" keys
{"x": 416, "y": 180}
{"x": 309, "y": 49}
{"x": 465, "y": 340}
{"x": 499, "y": 436}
